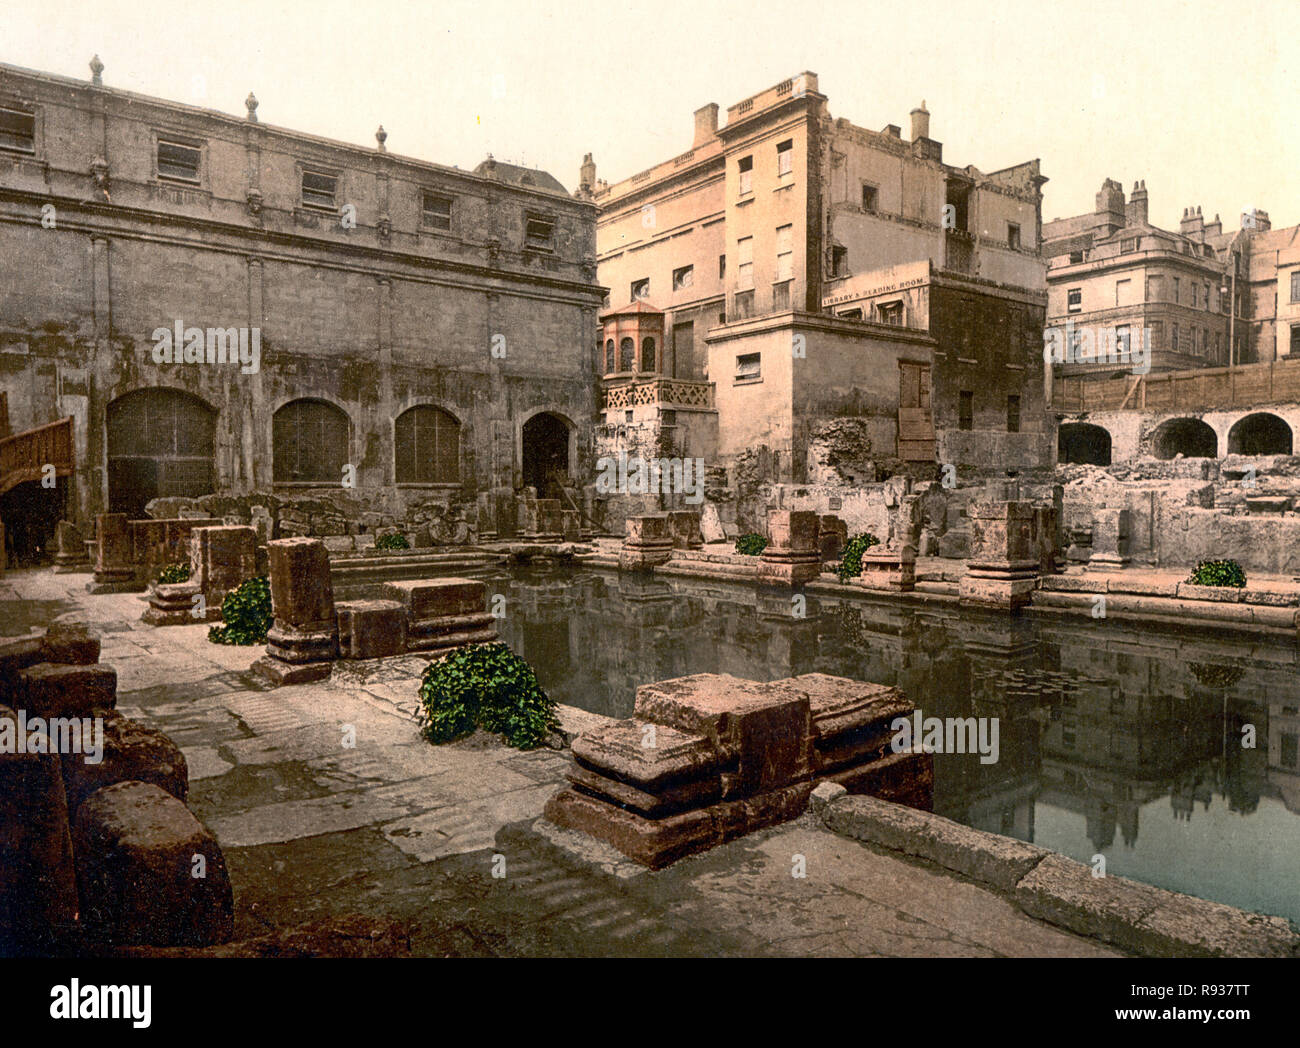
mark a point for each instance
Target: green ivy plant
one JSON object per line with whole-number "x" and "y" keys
{"x": 247, "y": 614}
{"x": 751, "y": 544}
{"x": 172, "y": 573}
{"x": 394, "y": 541}
{"x": 851, "y": 559}
{"x": 1218, "y": 573}
{"x": 485, "y": 686}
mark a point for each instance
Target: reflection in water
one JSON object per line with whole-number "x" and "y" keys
{"x": 1118, "y": 740}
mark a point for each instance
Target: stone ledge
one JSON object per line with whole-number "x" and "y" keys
{"x": 1139, "y": 918}
{"x": 983, "y": 857}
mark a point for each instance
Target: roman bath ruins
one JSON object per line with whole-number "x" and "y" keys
{"x": 476, "y": 573}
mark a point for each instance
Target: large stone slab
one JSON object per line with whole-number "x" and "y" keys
{"x": 131, "y": 752}
{"x": 138, "y": 852}
{"x": 38, "y": 891}
{"x": 60, "y": 690}
{"x": 371, "y": 629}
{"x": 438, "y": 598}
{"x": 648, "y": 756}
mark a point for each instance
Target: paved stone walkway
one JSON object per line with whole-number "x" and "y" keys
{"x": 313, "y": 825}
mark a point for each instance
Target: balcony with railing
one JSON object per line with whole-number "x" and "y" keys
{"x": 661, "y": 392}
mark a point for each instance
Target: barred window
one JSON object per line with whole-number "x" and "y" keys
{"x": 319, "y": 189}
{"x": 309, "y": 442}
{"x": 17, "y": 131}
{"x": 427, "y": 446}
{"x": 178, "y": 161}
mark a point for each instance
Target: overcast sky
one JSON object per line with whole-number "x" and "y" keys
{"x": 1199, "y": 99}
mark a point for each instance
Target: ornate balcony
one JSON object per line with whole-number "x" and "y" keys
{"x": 668, "y": 392}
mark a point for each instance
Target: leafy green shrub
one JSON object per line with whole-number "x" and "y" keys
{"x": 247, "y": 614}
{"x": 851, "y": 558}
{"x": 485, "y": 686}
{"x": 171, "y": 573}
{"x": 751, "y": 544}
{"x": 1218, "y": 573}
{"x": 393, "y": 541}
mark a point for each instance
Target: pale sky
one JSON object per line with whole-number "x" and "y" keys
{"x": 1199, "y": 99}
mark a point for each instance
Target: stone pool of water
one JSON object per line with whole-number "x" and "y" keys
{"x": 1118, "y": 740}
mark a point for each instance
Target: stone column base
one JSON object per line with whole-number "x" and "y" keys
{"x": 644, "y": 558}
{"x": 1107, "y": 562}
{"x": 279, "y": 672}
{"x": 1003, "y": 592}
{"x": 172, "y": 604}
{"x": 887, "y": 570}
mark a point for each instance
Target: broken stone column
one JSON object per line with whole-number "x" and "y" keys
{"x": 1004, "y": 563}
{"x": 70, "y": 556}
{"x": 684, "y": 527}
{"x": 549, "y": 521}
{"x": 1110, "y": 540}
{"x": 38, "y": 889}
{"x": 114, "y": 568}
{"x": 131, "y": 752}
{"x": 791, "y": 557}
{"x": 832, "y": 537}
{"x": 1045, "y": 533}
{"x": 485, "y": 527}
{"x": 148, "y": 872}
{"x": 178, "y": 604}
{"x": 221, "y": 559}
{"x": 1080, "y": 548}
{"x": 66, "y": 690}
{"x": 371, "y": 629}
{"x": 443, "y": 613}
{"x": 303, "y": 640}
{"x": 648, "y": 542}
{"x": 893, "y": 566}
{"x": 710, "y": 757}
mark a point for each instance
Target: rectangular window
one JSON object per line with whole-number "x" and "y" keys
{"x": 1205, "y": 289}
{"x": 1076, "y": 257}
{"x": 1013, "y": 413}
{"x": 722, "y": 266}
{"x": 744, "y": 303}
{"x": 1173, "y": 338}
{"x": 1290, "y": 750}
{"x": 683, "y": 278}
{"x": 539, "y": 233}
{"x": 1157, "y": 329}
{"x": 319, "y": 189}
{"x": 436, "y": 210}
{"x": 684, "y": 348}
{"x": 1177, "y": 290}
{"x": 1122, "y": 292}
{"x": 870, "y": 197}
{"x": 177, "y": 161}
{"x": 1074, "y": 299}
{"x": 890, "y": 313}
{"x": 1123, "y": 339}
{"x": 1295, "y": 339}
{"x": 966, "y": 410}
{"x": 785, "y": 160}
{"x": 745, "y": 263}
{"x": 839, "y": 261}
{"x": 746, "y": 169}
{"x": 17, "y": 131}
{"x": 1192, "y": 288}
{"x": 749, "y": 367}
{"x": 785, "y": 253}
{"x": 781, "y": 296}
{"x": 640, "y": 289}
{"x": 1154, "y": 289}
{"x": 1128, "y": 245}
{"x": 1013, "y": 235}
{"x": 1295, "y": 286}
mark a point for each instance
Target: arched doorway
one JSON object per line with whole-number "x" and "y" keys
{"x": 1260, "y": 434}
{"x": 160, "y": 444}
{"x": 1083, "y": 442}
{"x": 1189, "y": 437}
{"x": 546, "y": 454}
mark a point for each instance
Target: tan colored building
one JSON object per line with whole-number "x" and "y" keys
{"x": 757, "y": 244}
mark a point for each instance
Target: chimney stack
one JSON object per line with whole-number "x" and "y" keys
{"x": 920, "y": 122}
{"x": 706, "y": 124}
{"x": 1192, "y": 224}
{"x": 587, "y": 173}
{"x": 1135, "y": 212}
{"x": 1110, "y": 206}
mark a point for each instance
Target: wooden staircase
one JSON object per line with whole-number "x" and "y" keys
{"x": 24, "y": 456}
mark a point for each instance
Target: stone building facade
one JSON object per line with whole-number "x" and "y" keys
{"x": 754, "y": 243}
{"x": 422, "y": 333}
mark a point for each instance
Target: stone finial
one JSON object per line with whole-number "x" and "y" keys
{"x": 490, "y": 166}
{"x": 97, "y": 72}
{"x": 250, "y": 103}
{"x": 381, "y": 136}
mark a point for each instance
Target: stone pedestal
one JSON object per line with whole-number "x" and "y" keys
{"x": 70, "y": 549}
{"x": 791, "y": 557}
{"x": 485, "y": 518}
{"x": 157, "y": 543}
{"x": 221, "y": 558}
{"x": 893, "y": 570}
{"x": 443, "y": 613}
{"x": 114, "y": 570}
{"x": 303, "y": 641}
{"x": 648, "y": 542}
{"x": 1110, "y": 540}
{"x": 540, "y": 520}
{"x": 1080, "y": 548}
{"x": 710, "y": 757}
{"x": 832, "y": 537}
{"x": 371, "y": 629}
{"x": 173, "y": 604}
{"x": 1045, "y": 535}
{"x": 684, "y": 527}
{"x": 1005, "y": 562}
{"x": 571, "y": 525}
